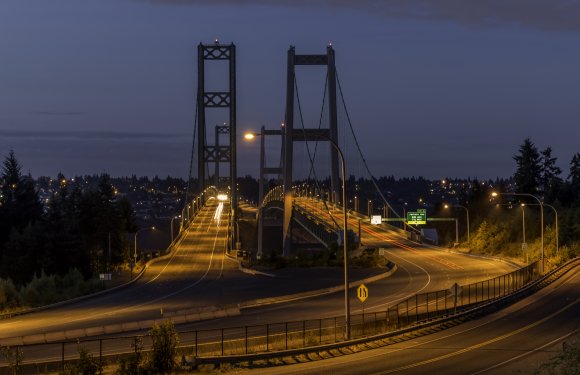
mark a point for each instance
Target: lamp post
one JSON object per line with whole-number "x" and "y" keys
{"x": 173, "y": 218}
{"x": 135, "y": 241}
{"x": 251, "y": 136}
{"x": 542, "y": 260}
{"x": 467, "y": 214}
{"x": 524, "y": 231}
{"x": 556, "y": 223}
{"x": 263, "y": 170}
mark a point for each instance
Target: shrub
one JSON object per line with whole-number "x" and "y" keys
{"x": 164, "y": 350}
{"x": 9, "y": 297}
{"x": 86, "y": 365}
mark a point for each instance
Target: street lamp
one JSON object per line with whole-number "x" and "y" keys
{"x": 250, "y": 136}
{"x": 173, "y": 218}
{"x": 542, "y": 260}
{"x": 135, "y": 241}
{"x": 467, "y": 213}
{"x": 446, "y": 206}
{"x": 556, "y": 223}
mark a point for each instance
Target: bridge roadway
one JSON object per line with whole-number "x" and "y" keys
{"x": 196, "y": 274}
{"x": 168, "y": 283}
{"x": 515, "y": 340}
{"x": 421, "y": 268}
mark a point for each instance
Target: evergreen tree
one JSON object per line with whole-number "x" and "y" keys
{"x": 574, "y": 176}
{"x": 550, "y": 176}
{"x": 20, "y": 208}
{"x": 528, "y": 173}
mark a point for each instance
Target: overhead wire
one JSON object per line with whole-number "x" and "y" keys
{"x": 373, "y": 179}
{"x": 308, "y": 150}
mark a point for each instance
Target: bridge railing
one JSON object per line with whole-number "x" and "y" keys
{"x": 212, "y": 345}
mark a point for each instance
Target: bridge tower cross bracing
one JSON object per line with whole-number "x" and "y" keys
{"x": 296, "y": 135}
{"x": 218, "y": 100}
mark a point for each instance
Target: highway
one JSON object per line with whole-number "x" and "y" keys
{"x": 513, "y": 340}
{"x": 198, "y": 275}
{"x": 172, "y": 282}
{"x": 420, "y": 269}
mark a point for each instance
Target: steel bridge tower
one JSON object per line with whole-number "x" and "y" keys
{"x": 217, "y": 153}
{"x": 292, "y": 135}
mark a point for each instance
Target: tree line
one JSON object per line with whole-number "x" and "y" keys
{"x": 78, "y": 228}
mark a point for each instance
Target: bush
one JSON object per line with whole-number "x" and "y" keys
{"x": 9, "y": 297}
{"x": 565, "y": 363}
{"x": 164, "y": 350}
{"x": 133, "y": 364}
{"x": 86, "y": 365}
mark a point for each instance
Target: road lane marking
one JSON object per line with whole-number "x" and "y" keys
{"x": 482, "y": 344}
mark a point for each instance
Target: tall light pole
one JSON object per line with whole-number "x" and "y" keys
{"x": 263, "y": 171}
{"x": 542, "y": 260}
{"x": 556, "y": 223}
{"x": 524, "y": 231}
{"x": 446, "y": 206}
{"x": 135, "y": 241}
{"x": 173, "y": 218}
{"x": 467, "y": 214}
{"x": 251, "y": 136}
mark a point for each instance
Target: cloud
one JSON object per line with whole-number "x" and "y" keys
{"x": 94, "y": 135}
{"x": 554, "y": 15}
{"x": 55, "y": 113}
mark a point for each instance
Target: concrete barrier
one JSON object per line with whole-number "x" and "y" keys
{"x": 94, "y": 331}
{"x": 34, "y": 339}
{"x": 54, "y": 336}
{"x": 314, "y": 293}
{"x": 129, "y": 327}
{"x": 113, "y": 328}
{"x": 74, "y": 334}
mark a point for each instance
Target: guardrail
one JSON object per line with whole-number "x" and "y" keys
{"x": 274, "y": 339}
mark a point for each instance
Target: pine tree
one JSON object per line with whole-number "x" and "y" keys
{"x": 19, "y": 202}
{"x": 550, "y": 176}
{"x": 528, "y": 173}
{"x": 574, "y": 180}
{"x": 574, "y": 176}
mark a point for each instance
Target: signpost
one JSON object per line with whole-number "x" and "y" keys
{"x": 455, "y": 291}
{"x": 362, "y": 293}
{"x": 376, "y": 219}
{"x": 417, "y": 217}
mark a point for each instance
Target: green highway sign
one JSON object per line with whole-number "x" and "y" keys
{"x": 415, "y": 218}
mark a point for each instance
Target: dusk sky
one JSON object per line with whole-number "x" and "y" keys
{"x": 446, "y": 88}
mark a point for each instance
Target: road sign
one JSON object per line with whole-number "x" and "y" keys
{"x": 524, "y": 246}
{"x": 376, "y": 219}
{"x": 105, "y": 276}
{"x": 418, "y": 217}
{"x": 362, "y": 292}
{"x": 455, "y": 290}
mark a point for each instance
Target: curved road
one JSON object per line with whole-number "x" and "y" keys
{"x": 168, "y": 282}
{"x": 196, "y": 275}
{"x": 514, "y": 340}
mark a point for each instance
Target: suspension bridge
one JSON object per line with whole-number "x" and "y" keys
{"x": 227, "y": 312}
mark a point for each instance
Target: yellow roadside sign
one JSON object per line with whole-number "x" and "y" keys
{"x": 362, "y": 292}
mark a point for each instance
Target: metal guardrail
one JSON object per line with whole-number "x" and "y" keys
{"x": 274, "y": 339}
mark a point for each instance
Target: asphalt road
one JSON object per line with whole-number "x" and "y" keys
{"x": 512, "y": 341}
{"x": 197, "y": 275}
{"x": 168, "y": 283}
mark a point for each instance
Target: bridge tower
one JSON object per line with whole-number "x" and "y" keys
{"x": 217, "y": 153}
{"x": 292, "y": 135}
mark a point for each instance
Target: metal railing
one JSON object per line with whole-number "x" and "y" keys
{"x": 302, "y": 334}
